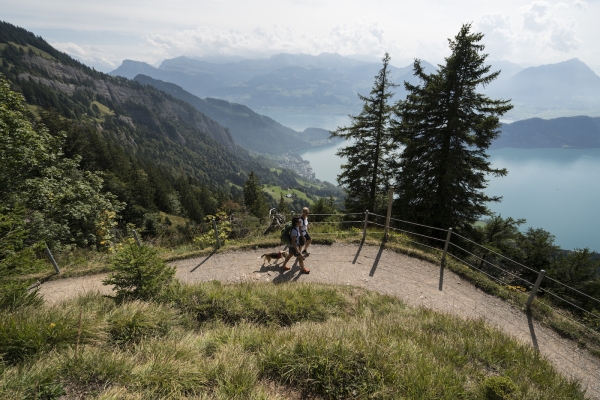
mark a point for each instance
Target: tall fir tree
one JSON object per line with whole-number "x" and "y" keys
{"x": 369, "y": 168}
{"x": 446, "y": 126}
{"x": 282, "y": 207}
{"x": 254, "y": 198}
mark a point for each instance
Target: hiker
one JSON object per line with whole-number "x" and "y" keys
{"x": 304, "y": 231}
{"x": 295, "y": 246}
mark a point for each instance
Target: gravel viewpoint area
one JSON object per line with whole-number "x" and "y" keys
{"x": 371, "y": 267}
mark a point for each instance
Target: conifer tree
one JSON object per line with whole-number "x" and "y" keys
{"x": 446, "y": 126}
{"x": 367, "y": 173}
{"x": 282, "y": 207}
{"x": 254, "y": 199}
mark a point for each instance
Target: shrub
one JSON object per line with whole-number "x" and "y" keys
{"x": 138, "y": 272}
{"x": 16, "y": 260}
{"x": 498, "y": 387}
{"x": 14, "y": 292}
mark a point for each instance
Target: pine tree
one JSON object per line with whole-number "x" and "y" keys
{"x": 446, "y": 126}
{"x": 253, "y": 196}
{"x": 366, "y": 175}
{"x": 282, "y": 207}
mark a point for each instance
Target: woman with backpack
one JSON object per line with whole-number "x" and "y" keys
{"x": 296, "y": 246}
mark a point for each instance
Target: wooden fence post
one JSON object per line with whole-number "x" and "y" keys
{"x": 443, "y": 263}
{"x": 137, "y": 239}
{"x": 389, "y": 213}
{"x": 51, "y": 257}
{"x": 536, "y": 287}
{"x": 365, "y": 227}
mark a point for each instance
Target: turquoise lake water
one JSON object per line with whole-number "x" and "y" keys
{"x": 554, "y": 189}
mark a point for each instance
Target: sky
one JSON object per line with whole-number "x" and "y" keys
{"x": 104, "y": 33}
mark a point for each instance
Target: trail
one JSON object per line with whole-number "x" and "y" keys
{"x": 415, "y": 281}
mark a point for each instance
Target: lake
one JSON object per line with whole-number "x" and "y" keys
{"x": 554, "y": 189}
{"x": 299, "y": 121}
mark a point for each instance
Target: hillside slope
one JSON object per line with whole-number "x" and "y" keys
{"x": 253, "y": 131}
{"x": 144, "y": 121}
{"x": 565, "y": 132}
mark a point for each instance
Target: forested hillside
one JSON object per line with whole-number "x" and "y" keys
{"x": 155, "y": 152}
{"x": 251, "y": 130}
{"x": 566, "y": 132}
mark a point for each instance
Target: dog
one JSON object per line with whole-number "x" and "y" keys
{"x": 273, "y": 256}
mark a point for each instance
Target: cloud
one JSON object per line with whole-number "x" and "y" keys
{"x": 547, "y": 30}
{"x": 88, "y": 54}
{"x": 580, "y": 5}
{"x": 551, "y": 28}
{"x": 499, "y": 36}
{"x": 364, "y": 38}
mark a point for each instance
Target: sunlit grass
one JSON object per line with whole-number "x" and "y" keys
{"x": 260, "y": 341}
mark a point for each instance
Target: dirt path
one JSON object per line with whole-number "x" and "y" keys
{"x": 414, "y": 281}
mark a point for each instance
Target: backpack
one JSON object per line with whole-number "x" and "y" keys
{"x": 286, "y": 234}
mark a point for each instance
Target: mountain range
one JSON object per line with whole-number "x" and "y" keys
{"x": 330, "y": 83}
{"x": 323, "y": 83}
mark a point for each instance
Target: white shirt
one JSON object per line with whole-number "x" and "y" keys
{"x": 304, "y": 225}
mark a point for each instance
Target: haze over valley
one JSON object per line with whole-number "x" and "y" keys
{"x": 329, "y": 83}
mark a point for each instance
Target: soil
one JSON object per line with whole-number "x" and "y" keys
{"x": 415, "y": 281}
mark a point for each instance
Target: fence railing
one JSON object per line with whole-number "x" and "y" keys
{"x": 460, "y": 248}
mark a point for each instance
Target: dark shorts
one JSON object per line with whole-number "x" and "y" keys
{"x": 306, "y": 235}
{"x": 294, "y": 252}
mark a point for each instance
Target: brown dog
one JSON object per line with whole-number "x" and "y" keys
{"x": 273, "y": 256}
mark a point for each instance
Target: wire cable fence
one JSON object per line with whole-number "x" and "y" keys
{"x": 490, "y": 264}
{"x": 505, "y": 276}
{"x": 496, "y": 266}
{"x": 520, "y": 265}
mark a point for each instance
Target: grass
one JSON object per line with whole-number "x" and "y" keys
{"x": 35, "y": 50}
{"x": 80, "y": 263}
{"x": 264, "y": 341}
{"x": 562, "y": 322}
{"x": 277, "y": 191}
{"x": 104, "y": 110}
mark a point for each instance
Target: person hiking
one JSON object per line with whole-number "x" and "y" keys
{"x": 304, "y": 231}
{"x": 295, "y": 247}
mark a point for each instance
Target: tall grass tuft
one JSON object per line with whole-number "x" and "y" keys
{"x": 30, "y": 331}
{"x": 279, "y": 305}
{"x": 134, "y": 321}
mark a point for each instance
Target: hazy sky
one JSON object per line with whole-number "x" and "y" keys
{"x": 104, "y": 33}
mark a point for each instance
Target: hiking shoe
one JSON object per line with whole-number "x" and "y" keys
{"x": 305, "y": 253}
{"x": 305, "y": 271}
{"x": 285, "y": 267}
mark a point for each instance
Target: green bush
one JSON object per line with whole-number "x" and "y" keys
{"x": 498, "y": 387}
{"x": 138, "y": 272}
{"x": 16, "y": 260}
{"x": 14, "y": 292}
